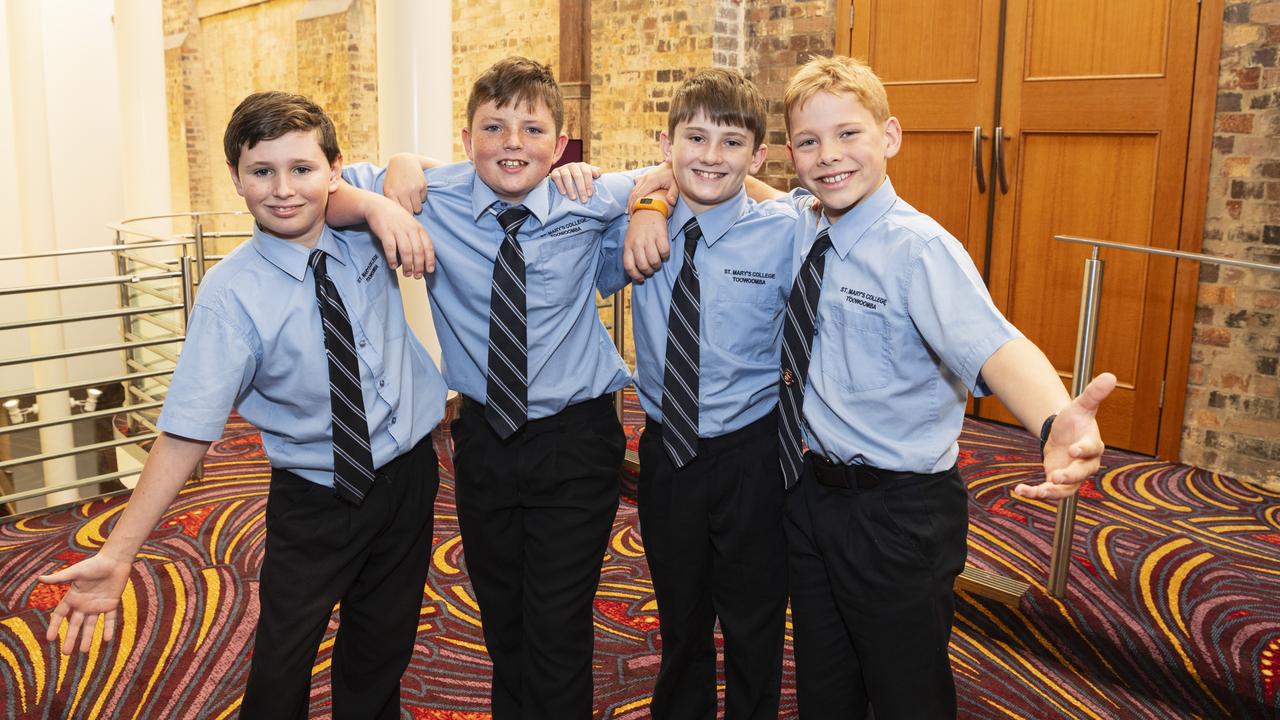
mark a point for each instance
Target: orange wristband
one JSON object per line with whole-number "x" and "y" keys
{"x": 652, "y": 203}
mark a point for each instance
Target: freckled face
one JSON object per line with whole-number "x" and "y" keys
{"x": 513, "y": 147}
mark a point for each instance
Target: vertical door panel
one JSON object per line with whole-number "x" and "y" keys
{"x": 1095, "y": 109}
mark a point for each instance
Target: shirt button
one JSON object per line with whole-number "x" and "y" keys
{"x": 393, "y": 419}
{"x": 362, "y": 342}
{"x": 382, "y": 382}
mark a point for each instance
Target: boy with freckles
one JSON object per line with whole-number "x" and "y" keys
{"x": 537, "y": 446}
{"x": 888, "y": 328}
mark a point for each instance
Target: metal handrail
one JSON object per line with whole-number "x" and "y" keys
{"x": 140, "y": 393}
{"x": 168, "y": 242}
{"x": 79, "y": 450}
{"x": 1086, "y": 340}
{"x": 165, "y": 325}
{"x": 66, "y": 319}
{"x": 147, "y": 373}
{"x": 90, "y": 351}
{"x": 75, "y": 418}
{"x": 197, "y": 214}
{"x": 163, "y": 265}
{"x": 145, "y": 357}
{"x": 96, "y": 282}
{"x": 49, "y": 489}
{"x": 152, "y": 292}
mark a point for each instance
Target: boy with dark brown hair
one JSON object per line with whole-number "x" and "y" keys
{"x": 353, "y": 472}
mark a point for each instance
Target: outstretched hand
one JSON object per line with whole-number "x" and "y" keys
{"x": 1074, "y": 448}
{"x": 96, "y": 585}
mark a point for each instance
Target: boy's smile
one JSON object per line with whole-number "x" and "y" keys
{"x": 285, "y": 182}
{"x": 513, "y": 147}
{"x": 839, "y": 150}
{"x": 710, "y": 161}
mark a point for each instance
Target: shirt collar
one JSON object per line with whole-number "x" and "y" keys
{"x": 847, "y": 230}
{"x": 714, "y": 222}
{"x": 292, "y": 257}
{"x": 537, "y": 202}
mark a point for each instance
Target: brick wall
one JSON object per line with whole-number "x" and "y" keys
{"x": 1232, "y": 421}
{"x": 651, "y": 47}
{"x": 216, "y": 54}
{"x": 782, "y": 36}
{"x": 485, "y": 31}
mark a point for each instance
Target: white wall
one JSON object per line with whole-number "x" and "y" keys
{"x": 415, "y": 47}
{"x": 64, "y": 171}
{"x": 77, "y": 152}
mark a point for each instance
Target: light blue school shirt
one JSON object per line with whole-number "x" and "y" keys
{"x": 744, "y": 264}
{"x": 254, "y": 342}
{"x": 571, "y": 356}
{"x": 903, "y": 329}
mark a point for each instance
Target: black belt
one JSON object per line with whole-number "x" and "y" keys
{"x": 851, "y": 477}
{"x": 576, "y": 412}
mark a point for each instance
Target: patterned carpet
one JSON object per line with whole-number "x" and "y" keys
{"x": 1171, "y": 609}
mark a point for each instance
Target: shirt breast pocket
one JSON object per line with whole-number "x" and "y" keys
{"x": 564, "y": 267}
{"x": 744, "y": 322}
{"x": 855, "y": 352}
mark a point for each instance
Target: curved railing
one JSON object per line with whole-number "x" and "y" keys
{"x": 156, "y": 275}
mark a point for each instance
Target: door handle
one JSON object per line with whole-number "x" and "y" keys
{"x": 998, "y": 149}
{"x": 977, "y": 158}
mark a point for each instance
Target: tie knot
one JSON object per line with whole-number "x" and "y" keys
{"x": 316, "y": 261}
{"x": 821, "y": 245}
{"x": 512, "y": 218}
{"x": 692, "y": 234}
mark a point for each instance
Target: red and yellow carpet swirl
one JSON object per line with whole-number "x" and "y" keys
{"x": 1171, "y": 610}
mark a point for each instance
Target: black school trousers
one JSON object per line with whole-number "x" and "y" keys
{"x": 873, "y": 560}
{"x": 535, "y": 511}
{"x": 373, "y": 558}
{"x": 713, "y": 539}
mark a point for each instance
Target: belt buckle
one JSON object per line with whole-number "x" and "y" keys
{"x": 830, "y": 474}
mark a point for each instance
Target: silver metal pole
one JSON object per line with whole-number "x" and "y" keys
{"x": 1082, "y": 371}
{"x": 188, "y": 292}
{"x": 189, "y": 281}
{"x": 619, "y": 339}
{"x": 199, "y": 246}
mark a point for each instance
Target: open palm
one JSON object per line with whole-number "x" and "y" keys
{"x": 96, "y": 585}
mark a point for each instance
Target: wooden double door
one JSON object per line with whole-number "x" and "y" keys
{"x": 1026, "y": 119}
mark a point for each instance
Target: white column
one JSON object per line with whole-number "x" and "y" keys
{"x": 144, "y": 161}
{"x": 415, "y": 53}
{"x": 144, "y": 166}
{"x": 36, "y": 227}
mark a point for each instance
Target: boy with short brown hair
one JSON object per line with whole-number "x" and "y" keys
{"x": 537, "y": 446}
{"x": 707, "y": 332}
{"x": 353, "y": 472}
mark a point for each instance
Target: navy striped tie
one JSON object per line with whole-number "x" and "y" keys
{"x": 352, "y": 457}
{"x": 680, "y": 378}
{"x": 797, "y": 341}
{"x": 507, "y": 401}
